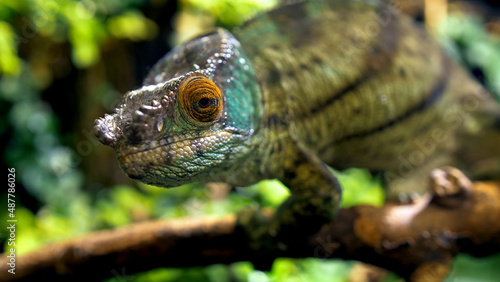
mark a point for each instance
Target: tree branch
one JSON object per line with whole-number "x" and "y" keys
{"x": 418, "y": 241}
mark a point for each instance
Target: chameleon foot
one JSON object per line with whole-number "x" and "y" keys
{"x": 256, "y": 225}
{"x": 253, "y": 221}
{"x": 449, "y": 186}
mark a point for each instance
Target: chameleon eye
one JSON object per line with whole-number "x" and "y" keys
{"x": 200, "y": 98}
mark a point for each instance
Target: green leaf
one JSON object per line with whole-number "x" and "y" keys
{"x": 10, "y": 64}
{"x": 230, "y": 12}
{"x": 132, "y": 25}
{"x": 359, "y": 187}
{"x": 468, "y": 268}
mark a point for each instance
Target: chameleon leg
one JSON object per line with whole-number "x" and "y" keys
{"x": 314, "y": 201}
{"x": 315, "y": 197}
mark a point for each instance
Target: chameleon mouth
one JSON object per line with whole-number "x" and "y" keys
{"x": 164, "y": 159}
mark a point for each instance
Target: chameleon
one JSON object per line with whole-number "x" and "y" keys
{"x": 296, "y": 89}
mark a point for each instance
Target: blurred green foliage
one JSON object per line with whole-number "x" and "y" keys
{"x": 86, "y": 24}
{"x": 34, "y": 147}
{"x": 49, "y": 169}
{"x": 10, "y": 64}
{"x": 467, "y": 41}
{"x": 229, "y": 12}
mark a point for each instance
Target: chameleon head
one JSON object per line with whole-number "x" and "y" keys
{"x": 180, "y": 130}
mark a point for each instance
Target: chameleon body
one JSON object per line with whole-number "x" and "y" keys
{"x": 342, "y": 83}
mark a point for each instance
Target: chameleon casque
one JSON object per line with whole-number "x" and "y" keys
{"x": 342, "y": 83}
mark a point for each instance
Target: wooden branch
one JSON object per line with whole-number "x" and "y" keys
{"x": 418, "y": 241}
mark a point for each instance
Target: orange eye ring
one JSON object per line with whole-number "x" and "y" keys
{"x": 200, "y": 98}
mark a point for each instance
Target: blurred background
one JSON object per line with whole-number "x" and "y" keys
{"x": 63, "y": 63}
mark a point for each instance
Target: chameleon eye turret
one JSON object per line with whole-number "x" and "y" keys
{"x": 200, "y": 99}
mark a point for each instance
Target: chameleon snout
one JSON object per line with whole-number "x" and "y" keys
{"x": 105, "y": 130}
{"x": 139, "y": 119}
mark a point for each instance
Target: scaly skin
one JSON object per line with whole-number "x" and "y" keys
{"x": 340, "y": 83}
